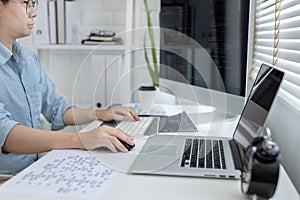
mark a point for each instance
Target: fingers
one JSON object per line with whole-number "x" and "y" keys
{"x": 118, "y": 133}
{"x": 135, "y": 117}
{"x": 110, "y": 145}
{"x": 120, "y": 112}
{"x": 118, "y": 144}
{"x": 113, "y": 135}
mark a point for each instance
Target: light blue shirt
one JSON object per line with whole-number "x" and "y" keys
{"x": 26, "y": 91}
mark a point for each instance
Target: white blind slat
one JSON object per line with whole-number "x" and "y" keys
{"x": 265, "y": 35}
{"x": 292, "y": 78}
{"x": 262, "y": 5}
{"x": 289, "y": 65}
{"x": 289, "y": 12}
{"x": 265, "y": 19}
{"x": 257, "y": 63}
{"x": 289, "y": 99}
{"x": 291, "y": 33}
{"x": 265, "y": 42}
{"x": 291, "y": 88}
{"x": 287, "y": 54}
{"x": 265, "y": 27}
{"x": 264, "y": 57}
{"x": 277, "y": 38}
{"x": 288, "y": 44}
{"x": 264, "y": 50}
{"x": 289, "y": 3}
{"x": 289, "y": 23}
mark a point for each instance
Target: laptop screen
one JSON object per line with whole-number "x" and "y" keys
{"x": 258, "y": 105}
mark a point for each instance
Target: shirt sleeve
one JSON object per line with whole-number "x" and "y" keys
{"x": 6, "y": 124}
{"x": 53, "y": 105}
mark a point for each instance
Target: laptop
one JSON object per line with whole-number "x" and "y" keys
{"x": 214, "y": 157}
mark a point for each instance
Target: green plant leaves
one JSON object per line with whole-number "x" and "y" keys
{"x": 154, "y": 72}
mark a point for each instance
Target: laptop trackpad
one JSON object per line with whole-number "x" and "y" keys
{"x": 161, "y": 150}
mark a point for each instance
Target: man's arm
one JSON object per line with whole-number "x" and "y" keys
{"x": 25, "y": 140}
{"x": 77, "y": 116}
{"x": 22, "y": 139}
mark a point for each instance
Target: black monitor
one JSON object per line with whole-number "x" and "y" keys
{"x": 220, "y": 27}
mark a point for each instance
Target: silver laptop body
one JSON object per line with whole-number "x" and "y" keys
{"x": 169, "y": 154}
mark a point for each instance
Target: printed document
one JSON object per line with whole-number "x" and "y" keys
{"x": 61, "y": 174}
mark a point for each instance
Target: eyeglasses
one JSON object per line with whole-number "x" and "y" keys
{"x": 29, "y": 4}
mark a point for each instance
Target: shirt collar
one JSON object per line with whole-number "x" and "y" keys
{"x": 5, "y": 54}
{"x": 18, "y": 50}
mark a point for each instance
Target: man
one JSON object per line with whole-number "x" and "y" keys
{"x": 26, "y": 91}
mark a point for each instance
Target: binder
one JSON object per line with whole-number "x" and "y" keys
{"x": 52, "y": 17}
{"x": 61, "y": 33}
{"x": 40, "y": 33}
{"x": 73, "y": 24}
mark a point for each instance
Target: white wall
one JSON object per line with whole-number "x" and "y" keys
{"x": 103, "y": 14}
{"x": 284, "y": 122}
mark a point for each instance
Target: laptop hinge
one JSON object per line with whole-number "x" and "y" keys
{"x": 236, "y": 154}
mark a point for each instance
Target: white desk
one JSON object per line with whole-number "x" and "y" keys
{"x": 148, "y": 187}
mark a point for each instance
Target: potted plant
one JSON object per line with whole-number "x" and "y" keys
{"x": 152, "y": 67}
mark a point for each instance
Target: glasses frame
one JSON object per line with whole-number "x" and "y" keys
{"x": 29, "y": 4}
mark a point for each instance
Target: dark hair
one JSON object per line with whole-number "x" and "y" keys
{"x": 4, "y": 1}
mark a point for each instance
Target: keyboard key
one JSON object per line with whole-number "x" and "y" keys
{"x": 137, "y": 128}
{"x": 222, "y": 155}
{"x": 201, "y": 162}
{"x": 187, "y": 152}
{"x": 217, "y": 164}
{"x": 194, "y": 153}
{"x": 209, "y": 155}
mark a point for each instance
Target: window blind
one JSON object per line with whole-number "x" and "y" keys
{"x": 277, "y": 43}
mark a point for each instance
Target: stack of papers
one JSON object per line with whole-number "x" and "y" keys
{"x": 61, "y": 174}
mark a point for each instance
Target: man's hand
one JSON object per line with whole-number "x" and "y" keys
{"x": 105, "y": 136}
{"x": 117, "y": 113}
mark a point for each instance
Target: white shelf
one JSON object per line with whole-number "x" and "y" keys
{"x": 102, "y": 47}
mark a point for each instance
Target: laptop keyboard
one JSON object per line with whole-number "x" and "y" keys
{"x": 136, "y": 128}
{"x": 203, "y": 153}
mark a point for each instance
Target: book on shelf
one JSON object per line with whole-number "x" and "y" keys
{"x": 102, "y": 33}
{"x": 115, "y": 41}
{"x": 52, "y": 21}
{"x": 40, "y": 33}
{"x": 73, "y": 17}
{"x": 100, "y": 38}
{"x": 61, "y": 24}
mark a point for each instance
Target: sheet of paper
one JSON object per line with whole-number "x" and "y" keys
{"x": 61, "y": 174}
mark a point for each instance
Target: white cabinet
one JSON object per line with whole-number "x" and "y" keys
{"x": 106, "y": 79}
{"x": 87, "y": 78}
